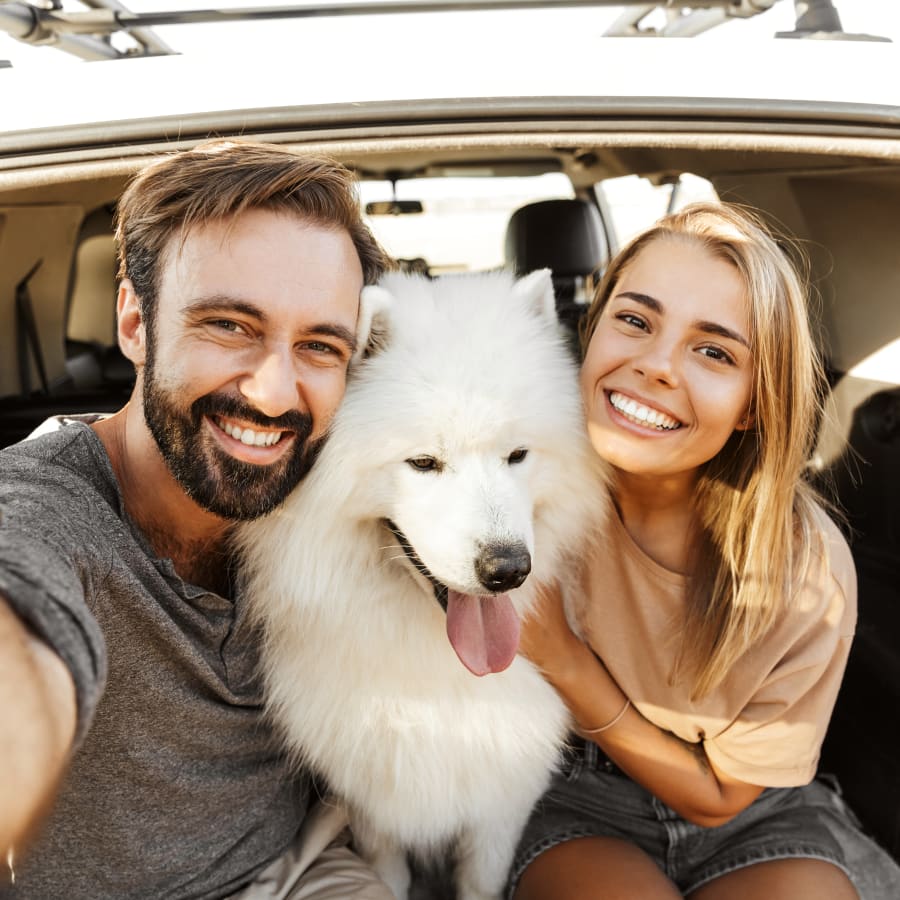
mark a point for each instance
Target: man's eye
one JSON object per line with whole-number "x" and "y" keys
{"x": 319, "y": 347}
{"x": 517, "y": 455}
{"x": 424, "y": 464}
{"x": 227, "y": 325}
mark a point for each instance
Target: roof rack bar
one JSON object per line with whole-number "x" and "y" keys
{"x": 696, "y": 23}
{"x": 108, "y": 20}
{"x": 628, "y": 20}
{"x": 686, "y": 19}
{"x": 151, "y": 43}
{"x": 818, "y": 19}
{"x": 20, "y": 20}
{"x": 817, "y": 15}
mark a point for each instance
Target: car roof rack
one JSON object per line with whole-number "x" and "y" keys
{"x": 87, "y": 34}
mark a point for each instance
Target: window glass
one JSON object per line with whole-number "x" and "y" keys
{"x": 633, "y": 203}
{"x": 463, "y": 223}
{"x": 883, "y": 365}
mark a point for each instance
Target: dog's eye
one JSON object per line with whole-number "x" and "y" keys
{"x": 424, "y": 464}
{"x": 517, "y": 456}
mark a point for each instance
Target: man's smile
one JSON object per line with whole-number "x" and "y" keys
{"x": 248, "y": 443}
{"x": 256, "y": 437}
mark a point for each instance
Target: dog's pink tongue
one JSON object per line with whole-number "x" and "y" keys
{"x": 484, "y": 631}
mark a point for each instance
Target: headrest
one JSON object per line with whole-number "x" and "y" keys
{"x": 565, "y": 236}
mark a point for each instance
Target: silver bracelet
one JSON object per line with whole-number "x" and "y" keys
{"x": 609, "y": 724}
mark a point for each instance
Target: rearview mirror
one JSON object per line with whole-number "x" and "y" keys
{"x": 393, "y": 207}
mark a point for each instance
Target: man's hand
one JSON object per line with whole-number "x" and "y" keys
{"x": 37, "y": 726}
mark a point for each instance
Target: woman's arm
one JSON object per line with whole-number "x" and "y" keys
{"x": 37, "y": 726}
{"x": 677, "y": 772}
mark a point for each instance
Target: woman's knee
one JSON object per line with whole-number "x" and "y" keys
{"x": 780, "y": 879}
{"x": 592, "y": 868}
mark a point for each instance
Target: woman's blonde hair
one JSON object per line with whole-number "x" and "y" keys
{"x": 754, "y": 505}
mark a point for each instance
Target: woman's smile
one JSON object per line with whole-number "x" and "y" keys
{"x": 641, "y": 414}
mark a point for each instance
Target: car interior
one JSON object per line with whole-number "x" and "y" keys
{"x": 834, "y": 194}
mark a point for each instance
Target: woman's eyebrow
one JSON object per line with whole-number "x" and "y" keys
{"x": 705, "y": 326}
{"x": 722, "y": 331}
{"x": 644, "y": 299}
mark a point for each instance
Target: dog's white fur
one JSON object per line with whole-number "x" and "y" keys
{"x": 358, "y": 666}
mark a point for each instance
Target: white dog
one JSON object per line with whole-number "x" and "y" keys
{"x": 391, "y": 584}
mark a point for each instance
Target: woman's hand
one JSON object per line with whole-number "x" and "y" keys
{"x": 548, "y": 642}
{"x": 677, "y": 772}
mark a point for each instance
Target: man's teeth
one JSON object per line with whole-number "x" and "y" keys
{"x": 642, "y": 415}
{"x": 249, "y": 436}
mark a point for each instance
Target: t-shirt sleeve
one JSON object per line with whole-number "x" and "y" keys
{"x": 43, "y": 577}
{"x": 777, "y": 738}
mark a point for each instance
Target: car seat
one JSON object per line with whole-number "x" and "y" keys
{"x": 567, "y": 237}
{"x": 97, "y": 377}
{"x": 861, "y": 746}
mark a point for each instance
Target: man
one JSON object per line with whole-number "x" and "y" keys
{"x": 136, "y": 759}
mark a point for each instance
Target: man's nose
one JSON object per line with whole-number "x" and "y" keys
{"x": 271, "y": 386}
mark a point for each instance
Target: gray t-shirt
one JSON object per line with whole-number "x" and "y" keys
{"x": 177, "y": 787}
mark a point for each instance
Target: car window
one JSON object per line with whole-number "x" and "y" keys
{"x": 631, "y": 203}
{"x": 883, "y": 365}
{"x": 463, "y": 220}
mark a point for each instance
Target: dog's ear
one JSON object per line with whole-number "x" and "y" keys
{"x": 372, "y": 326}
{"x": 536, "y": 290}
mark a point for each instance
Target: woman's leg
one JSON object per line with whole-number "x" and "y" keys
{"x": 595, "y": 868}
{"x": 780, "y": 879}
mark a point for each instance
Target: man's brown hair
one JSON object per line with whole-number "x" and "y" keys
{"x": 219, "y": 179}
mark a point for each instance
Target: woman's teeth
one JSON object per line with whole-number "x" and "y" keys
{"x": 642, "y": 415}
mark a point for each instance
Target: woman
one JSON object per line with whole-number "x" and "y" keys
{"x": 717, "y": 614}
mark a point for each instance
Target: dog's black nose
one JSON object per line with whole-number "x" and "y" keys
{"x": 502, "y": 567}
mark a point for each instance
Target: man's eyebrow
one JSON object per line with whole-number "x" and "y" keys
{"x": 705, "y": 326}
{"x": 216, "y": 302}
{"x": 226, "y": 303}
{"x": 336, "y": 331}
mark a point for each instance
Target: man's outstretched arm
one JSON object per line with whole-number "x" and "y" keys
{"x": 37, "y": 727}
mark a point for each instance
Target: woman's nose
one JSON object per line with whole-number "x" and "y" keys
{"x": 659, "y": 362}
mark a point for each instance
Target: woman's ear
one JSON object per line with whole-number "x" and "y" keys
{"x": 131, "y": 332}
{"x": 747, "y": 421}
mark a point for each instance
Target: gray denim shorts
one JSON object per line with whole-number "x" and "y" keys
{"x": 592, "y": 798}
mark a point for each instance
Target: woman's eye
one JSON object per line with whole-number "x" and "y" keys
{"x": 717, "y": 354}
{"x": 424, "y": 464}
{"x": 517, "y": 456}
{"x": 633, "y": 320}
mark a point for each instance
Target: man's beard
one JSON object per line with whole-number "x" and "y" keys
{"x": 226, "y": 486}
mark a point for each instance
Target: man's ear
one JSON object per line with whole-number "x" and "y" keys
{"x": 131, "y": 332}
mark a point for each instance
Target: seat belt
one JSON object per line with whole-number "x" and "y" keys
{"x": 27, "y": 337}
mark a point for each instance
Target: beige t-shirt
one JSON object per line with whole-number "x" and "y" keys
{"x": 765, "y": 722}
